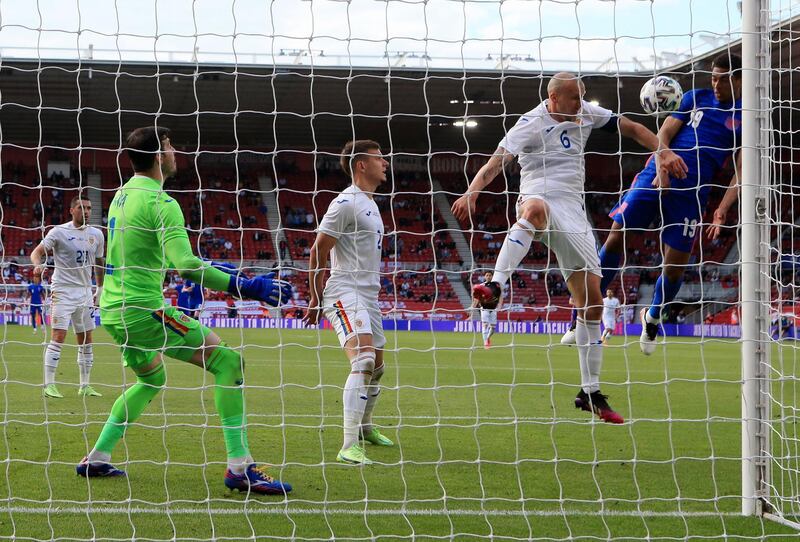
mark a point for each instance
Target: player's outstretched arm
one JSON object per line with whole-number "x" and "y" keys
{"x": 666, "y": 161}
{"x": 262, "y": 288}
{"x": 172, "y": 236}
{"x": 317, "y": 265}
{"x": 464, "y": 207}
{"x": 730, "y": 197}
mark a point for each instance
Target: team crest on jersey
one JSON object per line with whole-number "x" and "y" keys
{"x": 732, "y": 123}
{"x": 184, "y": 318}
{"x": 91, "y": 241}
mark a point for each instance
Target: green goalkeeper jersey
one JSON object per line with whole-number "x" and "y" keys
{"x": 141, "y": 220}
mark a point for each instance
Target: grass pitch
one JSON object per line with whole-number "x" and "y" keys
{"x": 488, "y": 444}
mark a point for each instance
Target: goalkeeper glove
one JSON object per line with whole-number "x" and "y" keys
{"x": 264, "y": 288}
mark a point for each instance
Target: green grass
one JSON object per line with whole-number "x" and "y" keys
{"x": 488, "y": 444}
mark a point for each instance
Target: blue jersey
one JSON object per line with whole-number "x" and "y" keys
{"x": 196, "y": 296}
{"x": 36, "y": 291}
{"x": 183, "y": 297}
{"x": 711, "y": 133}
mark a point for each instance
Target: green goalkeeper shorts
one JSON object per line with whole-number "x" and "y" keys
{"x": 167, "y": 330}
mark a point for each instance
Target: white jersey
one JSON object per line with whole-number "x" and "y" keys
{"x": 610, "y": 306}
{"x": 551, "y": 153}
{"x": 74, "y": 252}
{"x": 354, "y": 219}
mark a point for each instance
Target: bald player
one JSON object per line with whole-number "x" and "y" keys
{"x": 549, "y": 141}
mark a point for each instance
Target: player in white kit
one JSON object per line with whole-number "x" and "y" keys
{"x": 77, "y": 249}
{"x": 610, "y": 314}
{"x": 549, "y": 141}
{"x": 351, "y": 232}
{"x": 488, "y": 317}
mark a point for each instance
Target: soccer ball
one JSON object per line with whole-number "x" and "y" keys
{"x": 661, "y": 94}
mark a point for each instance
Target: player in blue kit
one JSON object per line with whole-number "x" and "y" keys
{"x": 705, "y": 132}
{"x": 196, "y": 299}
{"x": 184, "y": 294}
{"x": 35, "y": 292}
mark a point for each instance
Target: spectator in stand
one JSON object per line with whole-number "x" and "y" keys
{"x": 709, "y": 318}
{"x": 283, "y": 248}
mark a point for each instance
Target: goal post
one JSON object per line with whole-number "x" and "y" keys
{"x": 763, "y": 213}
{"x": 754, "y": 264}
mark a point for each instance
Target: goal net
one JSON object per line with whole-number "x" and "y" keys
{"x": 486, "y": 439}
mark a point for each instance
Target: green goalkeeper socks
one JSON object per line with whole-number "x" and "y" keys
{"x": 129, "y": 406}
{"x": 226, "y": 366}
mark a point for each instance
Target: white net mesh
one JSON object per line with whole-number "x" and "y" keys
{"x": 260, "y": 98}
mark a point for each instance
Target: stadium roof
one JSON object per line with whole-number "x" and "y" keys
{"x": 89, "y": 103}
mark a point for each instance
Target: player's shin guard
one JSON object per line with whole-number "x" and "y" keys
{"x": 227, "y": 367}
{"x": 665, "y": 292}
{"x": 126, "y": 410}
{"x": 373, "y": 392}
{"x": 515, "y": 248}
{"x": 85, "y": 362}
{"x": 590, "y": 353}
{"x": 609, "y": 267}
{"x": 355, "y": 395}
{"x": 52, "y": 355}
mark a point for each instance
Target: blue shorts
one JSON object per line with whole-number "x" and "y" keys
{"x": 35, "y": 309}
{"x": 680, "y": 211}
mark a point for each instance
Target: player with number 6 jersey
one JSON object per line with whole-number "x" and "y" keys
{"x": 77, "y": 251}
{"x": 705, "y": 132}
{"x": 549, "y": 141}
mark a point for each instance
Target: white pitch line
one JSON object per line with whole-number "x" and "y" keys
{"x": 10, "y": 417}
{"x": 285, "y": 511}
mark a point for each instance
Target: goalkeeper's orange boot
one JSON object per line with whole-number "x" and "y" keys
{"x": 597, "y": 403}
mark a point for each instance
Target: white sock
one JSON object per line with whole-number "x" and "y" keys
{"x": 96, "y": 456}
{"x": 590, "y": 353}
{"x": 238, "y": 465}
{"x": 373, "y": 392}
{"x": 595, "y": 354}
{"x": 649, "y": 319}
{"x": 354, "y": 396}
{"x": 515, "y": 247}
{"x": 52, "y": 355}
{"x": 485, "y": 333}
{"x": 85, "y": 361}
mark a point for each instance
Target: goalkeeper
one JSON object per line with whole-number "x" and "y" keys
{"x": 146, "y": 236}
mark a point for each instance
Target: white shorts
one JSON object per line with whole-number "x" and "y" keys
{"x": 75, "y": 305}
{"x": 489, "y": 317}
{"x": 351, "y": 315}
{"x": 609, "y": 323}
{"x": 569, "y": 234}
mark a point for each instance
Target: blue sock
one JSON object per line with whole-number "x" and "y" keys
{"x": 609, "y": 266}
{"x": 664, "y": 293}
